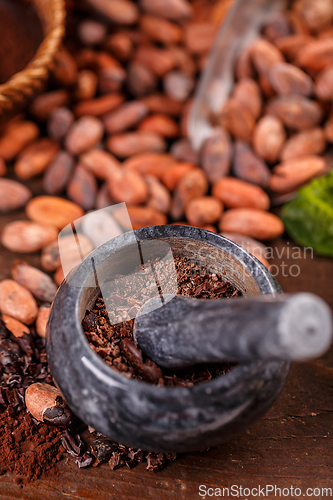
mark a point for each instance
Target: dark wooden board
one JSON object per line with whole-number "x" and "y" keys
{"x": 290, "y": 446}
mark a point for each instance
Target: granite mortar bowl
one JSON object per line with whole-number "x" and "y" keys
{"x": 140, "y": 414}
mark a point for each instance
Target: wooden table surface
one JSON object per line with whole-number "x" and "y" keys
{"x": 290, "y": 447}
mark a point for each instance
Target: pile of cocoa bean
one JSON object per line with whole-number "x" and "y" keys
{"x": 111, "y": 127}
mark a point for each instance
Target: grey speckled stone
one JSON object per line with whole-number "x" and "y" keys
{"x": 136, "y": 413}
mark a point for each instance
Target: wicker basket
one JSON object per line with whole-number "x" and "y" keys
{"x": 21, "y": 87}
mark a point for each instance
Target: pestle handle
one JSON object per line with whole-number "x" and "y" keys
{"x": 187, "y": 331}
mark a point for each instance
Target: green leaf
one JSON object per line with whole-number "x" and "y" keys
{"x": 308, "y": 218}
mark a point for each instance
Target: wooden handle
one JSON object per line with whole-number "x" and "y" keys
{"x": 187, "y": 331}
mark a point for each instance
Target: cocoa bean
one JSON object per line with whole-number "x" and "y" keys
{"x": 46, "y": 103}
{"x": 292, "y": 44}
{"x": 316, "y": 14}
{"x": 17, "y": 302}
{"x": 324, "y": 84}
{"x": 159, "y": 61}
{"x": 291, "y": 174}
{"x": 247, "y": 92}
{"x": 110, "y": 74}
{"x": 264, "y": 55}
{"x": 192, "y": 185}
{"x": 84, "y": 135}
{"x": 125, "y": 116}
{"x": 50, "y": 257}
{"x": 249, "y": 167}
{"x": 183, "y": 60}
{"x": 35, "y": 158}
{"x": 216, "y": 155}
{"x": 316, "y": 55}
{"x": 307, "y": 142}
{"x": 100, "y": 227}
{"x": 17, "y": 136}
{"x": 296, "y": 112}
{"x": 99, "y": 106}
{"x": 268, "y": 138}
{"x": 37, "y": 282}
{"x": 92, "y": 32}
{"x": 328, "y": 129}
{"x": 203, "y": 210}
{"x": 120, "y": 45}
{"x": 3, "y": 167}
{"x": 235, "y": 193}
{"x": 278, "y": 27}
{"x": 65, "y": 68}
{"x": 178, "y": 85}
{"x": 154, "y": 164}
{"x": 60, "y": 121}
{"x": 17, "y": 328}
{"x": 103, "y": 198}
{"x": 124, "y": 145}
{"x": 58, "y": 173}
{"x": 159, "y": 197}
{"x": 160, "y": 30}
{"x": 82, "y": 188}
{"x": 24, "y": 236}
{"x": 13, "y": 195}
{"x": 288, "y": 79}
{"x": 53, "y": 210}
{"x": 86, "y": 85}
{"x": 175, "y": 10}
{"x": 100, "y": 163}
{"x": 140, "y": 80}
{"x": 159, "y": 103}
{"x": 128, "y": 186}
{"x": 59, "y": 275}
{"x": 46, "y": 404}
{"x": 237, "y": 119}
{"x": 42, "y": 319}
{"x": 244, "y": 67}
{"x": 139, "y": 217}
{"x": 251, "y": 222}
{"x": 198, "y": 37}
{"x": 182, "y": 150}
{"x": 161, "y": 124}
{"x": 175, "y": 173}
{"x": 118, "y": 11}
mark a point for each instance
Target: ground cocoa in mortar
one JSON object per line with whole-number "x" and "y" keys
{"x": 115, "y": 344}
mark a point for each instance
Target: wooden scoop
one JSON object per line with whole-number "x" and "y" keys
{"x": 186, "y": 331}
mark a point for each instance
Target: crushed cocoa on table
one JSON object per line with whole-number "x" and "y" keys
{"x": 115, "y": 343}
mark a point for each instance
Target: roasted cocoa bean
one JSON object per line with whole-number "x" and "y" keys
{"x": 59, "y": 172}
{"x": 46, "y": 404}
{"x": 268, "y": 138}
{"x": 84, "y": 135}
{"x": 13, "y": 195}
{"x": 249, "y": 167}
{"x": 216, "y": 155}
{"x": 35, "y": 158}
{"x": 16, "y": 137}
{"x": 53, "y": 210}
{"x": 307, "y": 142}
{"x": 235, "y": 193}
{"x": 251, "y": 222}
{"x": 37, "y": 282}
{"x": 203, "y": 210}
{"x": 292, "y": 173}
{"x": 124, "y": 145}
{"x": 16, "y": 301}
{"x": 24, "y": 236}
{"x": 82, "y": 188}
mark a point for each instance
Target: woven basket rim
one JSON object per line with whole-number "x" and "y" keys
{"x": 24, "y": 83}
